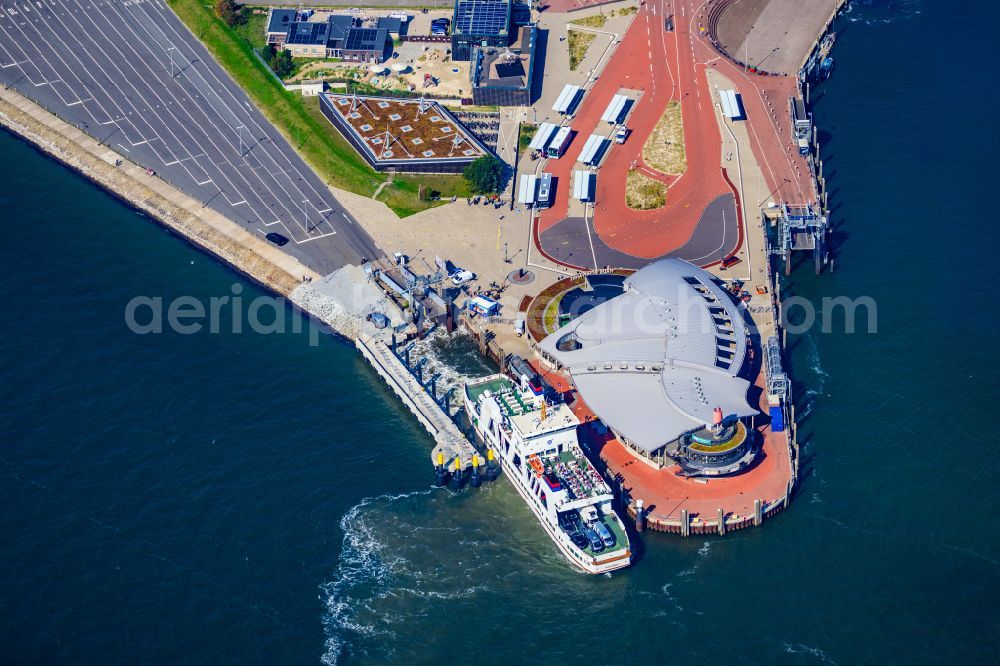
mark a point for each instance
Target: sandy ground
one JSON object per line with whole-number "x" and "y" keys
{"x": 643, "y": 192}
{"x": 664, "y": 149}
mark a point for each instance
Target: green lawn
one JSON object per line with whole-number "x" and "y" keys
{"x": 595, "y": 21}
{"x": 526, "y": 133}
{"x": 299, "y": 119}
{"x": 253, "y": 30}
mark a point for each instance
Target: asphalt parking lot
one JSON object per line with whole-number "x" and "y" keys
{"x": 131, "y": 75}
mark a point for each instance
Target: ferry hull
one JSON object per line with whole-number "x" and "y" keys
{"x": 593, "y": 566}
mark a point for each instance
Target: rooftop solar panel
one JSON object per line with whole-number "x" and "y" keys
{"x": 482, "y": 17}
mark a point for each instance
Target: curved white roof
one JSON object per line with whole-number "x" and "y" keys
{"x": 654, "y": 362}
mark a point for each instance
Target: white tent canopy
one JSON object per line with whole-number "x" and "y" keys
{"x": 581, "y": 185}
{"x": 527, "y": 189}
{"x": 567, "y": 100}
{"x": 593, "y": 149}
{"x": 616, "y": 109}
{"x": 542, "y": 137}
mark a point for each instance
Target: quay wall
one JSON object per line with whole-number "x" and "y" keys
{"x": 708, "y": 527}
{"x": 228, "y": 242}
{"x": 337, "y": 301}
{"x": 188, "y": 218}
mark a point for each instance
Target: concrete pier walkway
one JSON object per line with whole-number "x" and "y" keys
{"x": 449, "y": 440}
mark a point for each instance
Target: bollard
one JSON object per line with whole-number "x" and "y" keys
{"x": 440, "y": 472}
{"x": 457, "y": 477}
{"x": 476, "y": 479}
{"x": 492, "y": 467}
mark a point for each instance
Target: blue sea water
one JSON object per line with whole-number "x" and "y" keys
{"x": 243, "y": 498}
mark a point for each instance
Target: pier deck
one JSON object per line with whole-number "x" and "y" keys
{"x": 448, "y": 438}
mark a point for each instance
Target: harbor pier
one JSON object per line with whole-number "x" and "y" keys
{"x": 452, "y": 451}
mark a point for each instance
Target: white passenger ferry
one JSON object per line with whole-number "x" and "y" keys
{"x": 538, "y": 449}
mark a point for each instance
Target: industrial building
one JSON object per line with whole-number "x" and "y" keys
{"x": 660, "y": 365}
{"x": 503, "y": 76}
{"x": 481, "y": 23}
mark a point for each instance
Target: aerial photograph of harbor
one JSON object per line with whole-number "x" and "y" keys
{"x": 497, "y": 332}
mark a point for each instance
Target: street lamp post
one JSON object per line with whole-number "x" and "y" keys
{"x": 746, "y": 58}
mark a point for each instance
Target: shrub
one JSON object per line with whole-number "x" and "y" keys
{"x": 485, "y": 174}
{"x": 230, "y": 12}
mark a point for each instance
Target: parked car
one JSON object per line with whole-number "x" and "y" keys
{"x": 462, "y": 276}
{"x": 596, "y": 544}
{"x": 622, "y": 134}
{"x": 276, "y": 238}
{"x": 606, "y": 536}
{"x": 579, "y": 540}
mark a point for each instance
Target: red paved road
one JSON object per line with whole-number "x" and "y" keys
{"x": 662, "y": 66}
{"x": 765, "y": 100}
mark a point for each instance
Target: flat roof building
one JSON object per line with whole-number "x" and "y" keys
{"x": 307, "y": 39}
{"x": 479, "y": 23}
{"x": 340, "y": 36}
{"x": 503, "y": 76}
{"x": 402, "y": 134}
{"x": 278, "y": 22}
